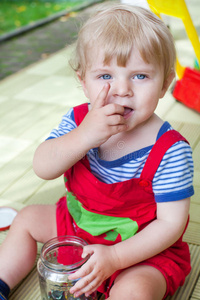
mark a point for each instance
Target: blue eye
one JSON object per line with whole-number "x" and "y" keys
{"x": 140, "y": 76}
{"x": 106, "y": 77}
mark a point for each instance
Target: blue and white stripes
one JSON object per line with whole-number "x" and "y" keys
{"x": 66, "y": 125}
{"x": 116, "y": 171}
{"x": 175, "y": 172}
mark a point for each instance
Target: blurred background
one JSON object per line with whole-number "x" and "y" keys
{"x": 30, "y": 30}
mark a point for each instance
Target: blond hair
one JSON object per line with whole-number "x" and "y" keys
{"x": 120, "y": 28}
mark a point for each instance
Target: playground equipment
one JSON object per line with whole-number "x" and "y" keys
{"x": 187, "y": 88}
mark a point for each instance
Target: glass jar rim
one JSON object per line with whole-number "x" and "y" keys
{"x": 61, "y": 241}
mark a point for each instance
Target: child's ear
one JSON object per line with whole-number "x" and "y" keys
{"x": 79, "y": 76}
{"x": 167, "y": 83}
{"x": 82, "y": 82}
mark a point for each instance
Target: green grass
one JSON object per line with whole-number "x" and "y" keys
{"x": 15, "y": 13}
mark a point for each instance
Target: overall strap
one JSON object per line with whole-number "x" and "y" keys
{"x": 80, "y": 112}
{"x": 159, "y": 149}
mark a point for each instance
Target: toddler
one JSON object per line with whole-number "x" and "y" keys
{"x": 128, "y": 174}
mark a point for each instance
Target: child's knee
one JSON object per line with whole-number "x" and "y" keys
{"x": 139, "y": 283}
{"x": 32, "y": 218}
{"x": 24, "y": 217}
{"x": 132, "y": 292}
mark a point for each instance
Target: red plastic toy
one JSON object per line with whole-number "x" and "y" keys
{"x": 187, "y": 89}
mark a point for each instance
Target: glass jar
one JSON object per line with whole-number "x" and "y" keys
{"x": 60, "y": 257}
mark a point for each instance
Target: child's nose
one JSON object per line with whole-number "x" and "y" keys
{"x": 121, "y": 88}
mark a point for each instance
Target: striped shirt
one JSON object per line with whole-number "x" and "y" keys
{"x": 173, "y": 178}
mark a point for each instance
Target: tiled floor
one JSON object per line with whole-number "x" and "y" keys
{"x": 32, "y": 102}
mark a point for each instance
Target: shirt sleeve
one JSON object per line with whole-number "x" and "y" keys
{"x": 174, "y": 178}
{"x": 67, "y": 124}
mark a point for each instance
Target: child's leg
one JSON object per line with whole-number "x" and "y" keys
{"x": 18, "y": 251}
{"x": 141, "y": 282}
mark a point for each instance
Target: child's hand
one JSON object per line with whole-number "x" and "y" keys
{"x": 102, "y": 121}
{"x": 101, "y": 265}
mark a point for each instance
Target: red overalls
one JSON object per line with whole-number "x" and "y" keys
{"x": 131, "y": 201}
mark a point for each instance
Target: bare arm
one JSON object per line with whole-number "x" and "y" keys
{"x": 55, "y": 156}
{"x": 153, "y": 239}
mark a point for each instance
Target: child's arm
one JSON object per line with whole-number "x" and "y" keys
{"x": 55, "y": 156}
{"x": 153, "y": 239}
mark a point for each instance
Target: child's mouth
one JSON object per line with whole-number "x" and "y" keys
{"x": 127, "y": 111}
